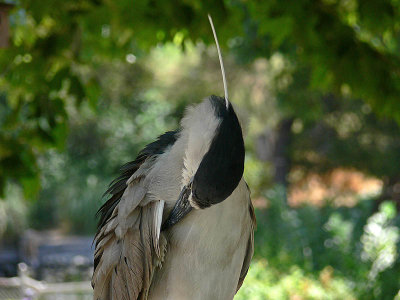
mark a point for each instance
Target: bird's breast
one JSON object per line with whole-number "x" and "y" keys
{"x": 206, "y": 251}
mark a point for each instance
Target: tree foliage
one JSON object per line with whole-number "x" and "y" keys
{"x": 333, "y": 46}
{"x": 85, "y": 84}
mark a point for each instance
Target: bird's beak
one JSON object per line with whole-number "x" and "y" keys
{"x": 181, "y": 209}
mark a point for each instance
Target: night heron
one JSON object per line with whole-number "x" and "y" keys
{"x": 179, "y": 222}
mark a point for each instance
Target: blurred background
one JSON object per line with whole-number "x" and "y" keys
{"x": 84, "y": 85}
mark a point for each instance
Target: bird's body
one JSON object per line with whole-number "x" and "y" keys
{"x": 206, "y": 252}
{"x": 179, "y": 223}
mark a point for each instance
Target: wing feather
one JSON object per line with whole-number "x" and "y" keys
{"x": 129, "y": 244}
{"x": 128, "y": 248}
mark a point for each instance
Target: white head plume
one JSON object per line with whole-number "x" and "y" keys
{"x": 220, "y": 61}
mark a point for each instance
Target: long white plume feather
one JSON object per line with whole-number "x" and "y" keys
{"x": 220, "y": 61}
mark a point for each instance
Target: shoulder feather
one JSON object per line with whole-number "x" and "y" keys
{"x": 118, "y": 186}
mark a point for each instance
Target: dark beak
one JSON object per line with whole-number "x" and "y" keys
{"x": 181, "y": 209}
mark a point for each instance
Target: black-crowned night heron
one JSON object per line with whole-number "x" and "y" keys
{"x": 179, "y": 223}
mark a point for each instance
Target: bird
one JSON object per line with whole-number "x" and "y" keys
{"x": 179, "y": 223}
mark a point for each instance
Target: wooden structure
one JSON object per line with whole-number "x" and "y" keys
{"x": 4, "y": 24}
{"x": 24, "y": 287}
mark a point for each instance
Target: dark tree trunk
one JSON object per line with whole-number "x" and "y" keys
{"x": 390, "y": 192}
{"x": 281, "y": 154}
{"x": 274, "y": 146}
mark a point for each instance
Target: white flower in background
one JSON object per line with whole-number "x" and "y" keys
{"x": 379, "y": 240}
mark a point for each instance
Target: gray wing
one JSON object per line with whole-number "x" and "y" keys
{"x": 250, "y": 245}
{"x": 129, "y": 245}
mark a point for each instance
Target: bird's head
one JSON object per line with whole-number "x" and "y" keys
{"x": 214, "y": 153}
{"x": 221, "y": 167}
{"x": 213, "y": 157}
